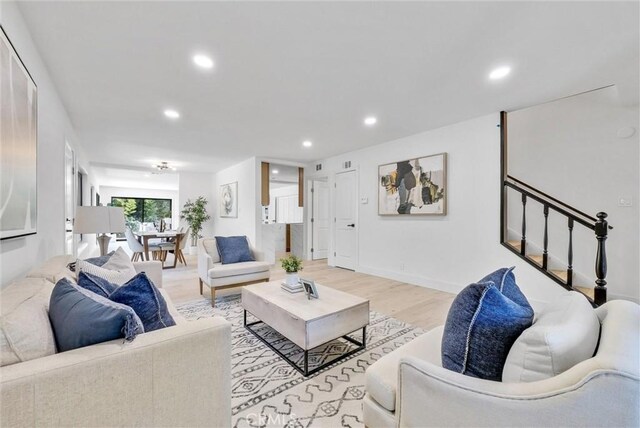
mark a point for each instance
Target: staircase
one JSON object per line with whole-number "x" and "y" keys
{"x": 541, "y": 259}
{"x": 565, "y": 277}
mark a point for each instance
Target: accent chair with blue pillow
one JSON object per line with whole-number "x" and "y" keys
{"x": 225, "y": 262}
{"x": 572, "y": 357}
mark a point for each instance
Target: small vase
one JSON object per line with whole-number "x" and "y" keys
{"x": 292, "y": 279}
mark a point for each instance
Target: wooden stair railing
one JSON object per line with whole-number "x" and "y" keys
{"x": 598, "y": 295}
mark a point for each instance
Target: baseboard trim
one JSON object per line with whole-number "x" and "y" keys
{"x": 421, "y": 281}
{"x": 433, "y": 284}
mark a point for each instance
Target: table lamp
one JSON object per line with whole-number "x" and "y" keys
{"x": 99, "y": 220}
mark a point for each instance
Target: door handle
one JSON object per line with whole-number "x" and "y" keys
{"x": 351, "y": 225}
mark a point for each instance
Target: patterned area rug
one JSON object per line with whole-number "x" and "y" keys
{"x": 267, "y": 392}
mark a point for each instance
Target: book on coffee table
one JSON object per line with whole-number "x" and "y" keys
{"x": 292, "y": 289}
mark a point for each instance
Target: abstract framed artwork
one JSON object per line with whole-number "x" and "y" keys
{"x": 229, "y": 200}
{"x": 416, "y": 186}
{"x": 18, "y": 145}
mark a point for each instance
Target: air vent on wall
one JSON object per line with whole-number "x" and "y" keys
{"x": 346, "y": 165}
{"x": 319, "y": 167}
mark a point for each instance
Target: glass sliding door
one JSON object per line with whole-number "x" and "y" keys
{"x": 139, "y": 212}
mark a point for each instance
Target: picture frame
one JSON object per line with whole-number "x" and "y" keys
{"x": 413, "y": 187}
{"x": 229, "y": 200}
{"x": 309, "y": 288}
{"x": 19, "y": 145}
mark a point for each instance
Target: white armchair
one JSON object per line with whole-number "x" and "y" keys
{"x": 410, "y": 388}
{"x": 218, "y": 276}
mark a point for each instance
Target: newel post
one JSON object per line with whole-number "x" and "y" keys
{"x": 602, "y": 227}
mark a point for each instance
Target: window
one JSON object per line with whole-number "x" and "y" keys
{"x": 142, "y": 210}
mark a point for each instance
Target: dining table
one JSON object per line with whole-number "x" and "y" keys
{"x": 145, "y": 237}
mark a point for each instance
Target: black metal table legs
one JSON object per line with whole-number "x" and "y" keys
{"x": 304, "y": 370}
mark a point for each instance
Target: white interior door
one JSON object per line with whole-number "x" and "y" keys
{"x": 69, "y": 200}
{"x": 346, "y": 208}
{"x": 320, "y": 220}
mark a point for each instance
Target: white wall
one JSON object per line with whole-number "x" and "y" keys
{"x": 249, "y": 212}
{"x": 191, "y": 186}
{"x": 106, "y": 192}
{"x": 18, "y": 256}
{"x": 570, "y": 150}
{"x": 447, "y": 252}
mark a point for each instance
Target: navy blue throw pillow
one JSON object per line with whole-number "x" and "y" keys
{"x": 482, "y": 325}
{"x": 96, "y": 284}
{"x": 143, "y": 297}
{"x": 505, "y": 281}
{"x": 234, "y": 249}
{"x": 80, "y": 317}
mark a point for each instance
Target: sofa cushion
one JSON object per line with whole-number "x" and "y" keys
{"x": 80, "y": 317}
{"x": 482, "y": 325}
{"x": 96, "y": 284}
{"x": 25, "y": 330}
{"x": 53, "y": 269}
{"x": 143, "y": 297}
{"x": 381, "y": 378}
{"x": 234, "y": 269}
{"x": 564, "y": 334}
{"x": 234, "y": 249}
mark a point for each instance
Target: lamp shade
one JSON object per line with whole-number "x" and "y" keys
{"x": 99, "y": 220}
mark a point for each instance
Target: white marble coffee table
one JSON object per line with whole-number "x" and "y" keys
{"x": 306, "y": 323}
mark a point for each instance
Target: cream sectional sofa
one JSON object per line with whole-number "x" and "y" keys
{"x": 176, "y": 376}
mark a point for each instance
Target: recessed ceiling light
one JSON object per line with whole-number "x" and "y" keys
{"x": 275, "y": 171}
{"x": 203, "y": 61}
{"x": 307, "y": 143}
{"x": 370, "y": 121}
{"x": 171, "y": 114}
{"x": 499, "y": 73}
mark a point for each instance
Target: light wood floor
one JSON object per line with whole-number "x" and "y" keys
{"x": 418, "y": 306}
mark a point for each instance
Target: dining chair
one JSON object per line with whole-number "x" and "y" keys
{"x": 168, "y": 247}
{"x": 138, "y": 249}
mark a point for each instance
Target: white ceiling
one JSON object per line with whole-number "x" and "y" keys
{"x": 108, "y": 175}
{"x": 289, "y": 71}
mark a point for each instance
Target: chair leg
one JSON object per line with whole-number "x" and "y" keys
{"x": 200, "y": 281}
{"x": 213, "y": 297}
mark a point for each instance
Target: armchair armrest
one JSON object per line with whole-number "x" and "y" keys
{"x": 586, "y": 396}
{"x": 176, "y": 376}
{"x": 257, "y": 254}
{"x": 205, "y": 263}
{"x": 153, "y": 270}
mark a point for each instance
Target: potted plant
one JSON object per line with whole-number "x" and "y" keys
{"x": 195, "y": 214}
{"x": 291, "y": 265}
